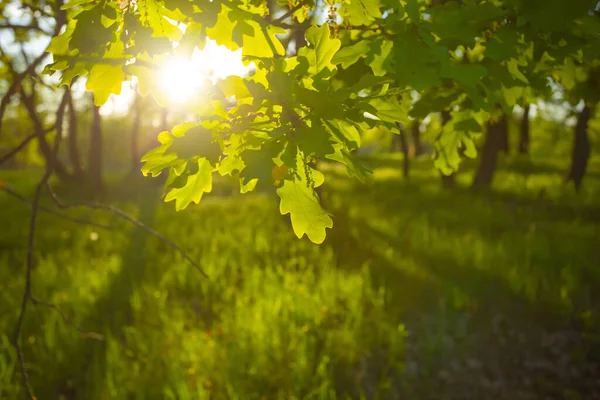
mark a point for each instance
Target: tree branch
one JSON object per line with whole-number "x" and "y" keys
{"x": 11, "y": 191}
{"x": 92, "y": 335}
{"x": 16, "y": 85}
{"x": 108, "y": 61}
{"x": 21, "y": 145}
{"x": 35, "y": 204}
{"x": 129, "y": 219}
{"x": 289, "y": 13}
{"x": 31, "y": 27}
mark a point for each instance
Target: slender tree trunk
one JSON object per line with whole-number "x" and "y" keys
{"x": 135, "y": 136}
{"x": 95, "y": 154}
{"x": 416, "y": 137}
{"x": 164, "y": 119}
{"x": 73, "y": 148}
{"x": 404, "y": 147}
{"x": 489, "y": 154}
{"x": 524, "y": 131}
{"x": 447, "y": 180}
{"x": 581, "y": 149}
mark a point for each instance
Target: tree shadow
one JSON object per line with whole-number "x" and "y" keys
{"x": 85, "y": 362}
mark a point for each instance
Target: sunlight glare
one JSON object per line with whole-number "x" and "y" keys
{"x": 180, "y": 79}
{"x": 183, "y": 79}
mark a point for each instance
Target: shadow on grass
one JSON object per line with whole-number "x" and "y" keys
{"x": 85, "y": 363}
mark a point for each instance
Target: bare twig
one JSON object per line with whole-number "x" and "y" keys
{"x": 10, "y": 190}
{"x": 92, "y": 335}
{"x": 29, "y": 102}
{"x": 30, "y": 244}
{"x": 125, "y": 216}
{"x": 16, "y": 85}
{"x": 22, "y": 145}
{"x": 30, "y": 70}
{"x": 289, "y": 13}
{"x": 108, "y": 61}
{"x": 31, "y": 27}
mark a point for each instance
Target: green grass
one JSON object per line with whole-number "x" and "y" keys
{"x": 281, "y": 318}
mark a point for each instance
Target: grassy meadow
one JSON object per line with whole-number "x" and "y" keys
{"x": 417, "y": 293}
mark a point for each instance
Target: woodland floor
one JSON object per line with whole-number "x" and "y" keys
{"x": 417, "y": 293}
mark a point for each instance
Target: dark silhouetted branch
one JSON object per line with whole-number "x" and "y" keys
{"x": 92, "y": 335}
{"x": 22, "y": 145}
{"x": 35, "y": 206}
{"x": 24, "y": 27}
{"x": 125, "y": 216}
{"x": 11, "y": 191}
{"x": 16, "y": 85}
{"x": 288, "y": 13}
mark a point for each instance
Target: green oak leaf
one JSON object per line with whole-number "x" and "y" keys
{"x": 105, "y": 80}
{"x": 314, "y": 141}
{"x": 348, "y": 55}
{"x": 307, "y": 215}
{"x": 196, "y": 185}
{"x": 391, "y": 110}
{"x": 362, "y": 12}
{"x": 321, "y": 49}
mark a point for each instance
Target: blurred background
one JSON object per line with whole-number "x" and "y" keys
{"x": 423, "y": 289}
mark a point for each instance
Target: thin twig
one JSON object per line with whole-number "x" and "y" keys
{"x": 125, "y": 216}
{"x": 30, "y": 244}
{"x": 31, "y": 27}
{"x": 22, "y": 145}
{"x": 10, "y": 190}
{"x": 107, "y": 61}
{"x": 93, "y": 335}
{"x": 16, "y": 84}
{"x": 288, "y": 13}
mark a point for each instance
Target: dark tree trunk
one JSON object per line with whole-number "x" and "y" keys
{"x": 135, "y": 136}
{"x": 504, "y": 139}
{"x": 416, "y": 137}
{"x": 95, "y": 154}
{"x": 447, "y": 180}
{"x": 489, "y": 154}
{"x": 524, "y": 131}
{"x": 404, "y": 148}
{"x": 581, "y": 149}
{"x": 73, "y": 148}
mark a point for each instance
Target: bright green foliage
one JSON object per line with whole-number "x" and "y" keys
{"x": 471, "y": 57}
{"x": 196, "y": 185}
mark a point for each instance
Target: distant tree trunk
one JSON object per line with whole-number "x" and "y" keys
{"x": 524, "y": 131}
{"x": 581, "y": 148}
{"x": 416, "y": 137}
{"x": 164, "y": 119}
{"x": 504, "y": 137}
{"x": 95, "y": 154}
{"x": 404, "y": 147}
{"x": 447, "y": 180}
{"x": 135, "y": 136}
{"x": 74, "y": 157}
{"x": 489, "y": 154}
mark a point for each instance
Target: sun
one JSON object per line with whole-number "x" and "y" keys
{"x": 180, "y": 79}
{"x": 183, "y": 79}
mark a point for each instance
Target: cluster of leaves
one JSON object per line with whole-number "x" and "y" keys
{"x": 386, "y": 63}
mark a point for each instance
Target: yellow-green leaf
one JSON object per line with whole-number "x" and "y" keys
{"x": 307, "y": 215}
{"x": 196, "y": 185}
